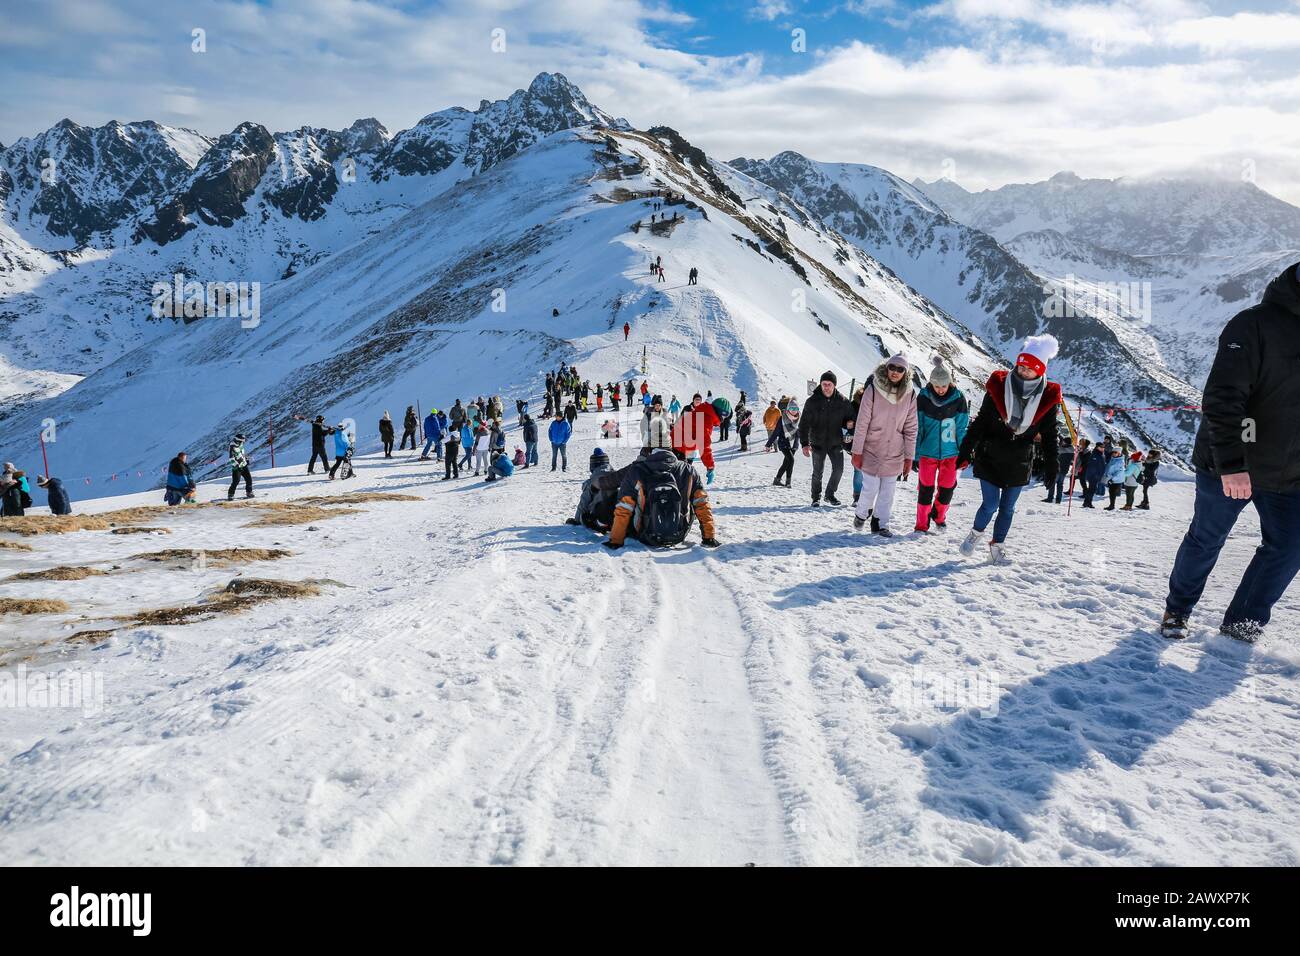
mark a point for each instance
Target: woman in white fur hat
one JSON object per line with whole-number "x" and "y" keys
{"x": 1018, "y": 407}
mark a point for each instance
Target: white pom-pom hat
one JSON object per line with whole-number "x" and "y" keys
{"x": 1037, "y": 352}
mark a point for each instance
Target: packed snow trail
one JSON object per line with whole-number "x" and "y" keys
{"x": 486, "y": 685}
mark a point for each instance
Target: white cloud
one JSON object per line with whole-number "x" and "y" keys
{"x": 1171, "y": 87}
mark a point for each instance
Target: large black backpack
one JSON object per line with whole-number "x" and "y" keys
{"x": 666, "y": 518}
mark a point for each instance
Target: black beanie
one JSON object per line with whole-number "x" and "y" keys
{"x": 829, "y": 377}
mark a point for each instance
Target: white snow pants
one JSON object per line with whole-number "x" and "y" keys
{"x": 877, "y": 493}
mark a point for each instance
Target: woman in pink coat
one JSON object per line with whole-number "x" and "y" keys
{"x": 884, "y": 442}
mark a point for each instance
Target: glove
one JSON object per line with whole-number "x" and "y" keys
{"x": 572, "y": 521}
{"x": 708, "y": 477}
{"x": 711, "y": 542}
{"x": 857, "y": 461}
{"x": 611, "y": 545}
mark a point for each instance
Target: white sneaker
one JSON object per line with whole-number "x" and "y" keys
{"x": 998, "y": 553}
{"x": 968, "y": 545}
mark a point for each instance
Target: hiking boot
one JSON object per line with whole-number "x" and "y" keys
{"x": 1173, "y": 626}
{"x": 250, "y": 495}
{"x": 833, "y": 501}
{"x": 884, "y": 532}
{"x": 858, "y": 523}
{"x": 967, "y": 546}
{"x": 998, "y": 553}
{"x": 939, "y": 525}
{"x": 1143, "y": 507}
{"x": 816, "y": 502}
{"x": 1247, "y": 631}
{"x": 875, "y": 525}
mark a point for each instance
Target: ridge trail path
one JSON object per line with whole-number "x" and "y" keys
{"x": 486, "y": 685}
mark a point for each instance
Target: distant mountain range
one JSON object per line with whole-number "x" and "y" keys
{"x": 379, "y": 257}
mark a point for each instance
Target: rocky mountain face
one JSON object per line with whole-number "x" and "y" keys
{"x": 973, "y": 278}
{"x": 1200, "y": 249}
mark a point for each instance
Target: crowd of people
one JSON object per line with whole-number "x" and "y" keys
{"x": 889, "y": 430}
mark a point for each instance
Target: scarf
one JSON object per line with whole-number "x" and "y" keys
{"x": 1021, "y": 398}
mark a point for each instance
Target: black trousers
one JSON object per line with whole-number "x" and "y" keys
{"x": 234, "y": 481}
{"x": 409, "y": 433}
{"x": 318, "y": 450}
{"x": 452, "y": 469}
{"x": 787, "y": 467}
{"x": 819, "y": 456}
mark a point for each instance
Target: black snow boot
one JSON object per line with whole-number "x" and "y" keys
{"x": 1173, "y": 626}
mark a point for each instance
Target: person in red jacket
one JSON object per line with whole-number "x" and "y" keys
{"x": 626, "y": 330}
{"x": 693, "y": 431}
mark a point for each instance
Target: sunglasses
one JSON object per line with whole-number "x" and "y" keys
{"x": 895, "y": 368}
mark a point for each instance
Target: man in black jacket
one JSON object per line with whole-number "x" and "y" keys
{"x": 821, "y": 432}
{"x": 1247, "y": 450}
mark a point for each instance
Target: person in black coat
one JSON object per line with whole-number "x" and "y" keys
{"x": 1247, "y": 451}
{"x": 1019, "y": 409}
{"x": 530, "y": 441}
{"x": 60, "y": 503}
{"x": 821, "y": 432}
{"x": 410, "y": 428}
{"x": 386, "y": 434}
{"x": 1148, "y": 479}
{"x": 318, "y": 432}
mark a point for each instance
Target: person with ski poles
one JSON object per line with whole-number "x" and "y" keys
{"x": 1018, "y": 407}
{"x": 884, "y": 442}
{"x": 433, "y": 434}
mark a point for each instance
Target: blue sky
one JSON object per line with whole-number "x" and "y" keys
{"x": 991, "y": 91}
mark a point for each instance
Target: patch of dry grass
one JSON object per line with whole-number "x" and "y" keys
{"x": 62, "y": 524}
{"x": 298, "y": 514}
{"x": 239, "y": 595}
{"x": 356, "y": 498}
{"x": 90, "y": 637}
{"x": 141, "y": 531}
{"x": 61, "y": 573}
{"x": 13, "y": 546}
{"x": 221, "y": 556}
{"x": 32, "y": 606}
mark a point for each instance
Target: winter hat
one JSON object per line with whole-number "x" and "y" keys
{"x": 829, "y": 376}
{"x": 598, "y": 458}
{"x": 1037, "y": 352}
{"x": 9, "y": 466}
{"x": 42, "y": 480}
{"x": 939, "y": 375}
{"x": 239, "y": 436}
{"x": 900, "y": 360}
{"x": 320, "y": 418}
{"x": 792, "y": 408}
{"x": 1136, "y": 456}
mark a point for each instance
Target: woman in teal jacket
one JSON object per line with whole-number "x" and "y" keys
{"x": 942, "y": 415}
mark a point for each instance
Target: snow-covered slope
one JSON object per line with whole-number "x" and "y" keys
{"x": 457, "y": 296}
{"x": 485, "y": 685}
{"x": 969, "y": 275}
{"x": 133, "y": 205}
{"x": 1205, "y": 247}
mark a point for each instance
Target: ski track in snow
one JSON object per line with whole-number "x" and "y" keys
{"x": 492, "y": 687}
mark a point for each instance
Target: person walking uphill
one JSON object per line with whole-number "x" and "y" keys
{"x": 1246, "y": 452}
{"x": 239, "y": 469}
{"x": 559, "y": 434}
{"x": 826, "y": 414}
{"x": 942, "y": 417}
{"x": 786, "y": 437}
{"x": 1018, "y": 406}
{"x": 884, "y": 442}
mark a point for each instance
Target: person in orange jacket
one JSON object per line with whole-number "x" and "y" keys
{"x": 693, "y": 431}
{"x": 642, "y": 512}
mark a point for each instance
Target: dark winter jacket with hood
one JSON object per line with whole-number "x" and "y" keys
{"x": 60, "y": 504}
{"x": 1251, "y": 410}
{"x": 821, "y": 424}
{"x": 1005, "y": 457}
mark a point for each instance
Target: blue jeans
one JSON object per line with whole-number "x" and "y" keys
{"x": 530, "y": 453}
{"x": 562, "y": 451}
{"x": 436, "y": 444}
{"x": 1000, "y": 500}
{"x": 1270, "y": 571}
